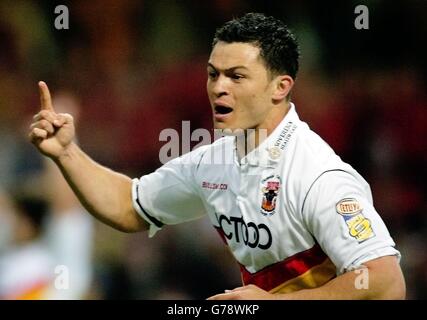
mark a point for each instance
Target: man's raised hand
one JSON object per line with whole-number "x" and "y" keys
{"x": 51, "y": 132}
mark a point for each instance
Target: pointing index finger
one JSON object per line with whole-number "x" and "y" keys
{"x": 45, "y": 99}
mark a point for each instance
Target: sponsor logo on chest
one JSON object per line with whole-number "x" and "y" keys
{"x": 250, "y": 234}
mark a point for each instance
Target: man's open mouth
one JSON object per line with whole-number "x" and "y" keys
{"x": 223, "y": 109}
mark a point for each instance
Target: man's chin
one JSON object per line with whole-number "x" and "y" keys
{"x": 220, "y": 125}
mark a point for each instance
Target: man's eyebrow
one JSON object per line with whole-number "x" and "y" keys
{"x": 229, "y": 69}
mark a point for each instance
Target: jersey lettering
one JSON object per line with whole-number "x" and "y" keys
{"x": 248, "y": 233}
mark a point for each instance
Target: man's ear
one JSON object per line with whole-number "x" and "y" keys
{"x": 282, "y": 87}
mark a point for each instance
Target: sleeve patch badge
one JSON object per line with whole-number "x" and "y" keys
{"x": 359, "y": 227}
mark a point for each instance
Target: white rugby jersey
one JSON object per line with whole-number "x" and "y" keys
{"x": 293, "y": 214}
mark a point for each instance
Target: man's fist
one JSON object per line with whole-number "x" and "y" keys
{"x": 51, "y": 132}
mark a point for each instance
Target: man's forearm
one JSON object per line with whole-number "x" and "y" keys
{"x": 342, "y": 287}
{"x": 104, "y": 193}
{"x": 380, "y": 279}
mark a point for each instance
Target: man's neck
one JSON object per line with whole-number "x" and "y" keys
{"x": 252, "y": 138}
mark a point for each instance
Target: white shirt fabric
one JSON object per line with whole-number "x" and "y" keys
{"x": 26, "y": 272}
{"x": 288, "y": 207}
{"x": 69, "y": 237}
{"x": 62, "y": 256}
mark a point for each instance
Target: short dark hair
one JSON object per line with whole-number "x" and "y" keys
{"x": 278, "y": 46}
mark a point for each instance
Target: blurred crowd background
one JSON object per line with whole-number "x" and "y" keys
{"x": 128, "y": 69}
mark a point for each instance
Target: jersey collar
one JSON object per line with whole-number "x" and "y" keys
{"x": 270, "y": 151}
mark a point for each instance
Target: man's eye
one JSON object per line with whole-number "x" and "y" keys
{"x": 237, "y": 76}
{"x": 212, "y": 74}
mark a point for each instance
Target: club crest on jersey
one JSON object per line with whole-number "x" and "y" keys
{"x": 270, "y": 189}
{"x": 359, "y": 227}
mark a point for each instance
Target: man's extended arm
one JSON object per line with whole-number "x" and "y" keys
{"x": 384, "y": 281}
{"x": 104, "y": 193}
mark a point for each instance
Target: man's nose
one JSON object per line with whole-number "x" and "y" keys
{"x": 220, "y": 86}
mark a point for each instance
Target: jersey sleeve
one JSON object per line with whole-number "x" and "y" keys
{"x": 169, "y": 195}
{"x": 339, "y": 212}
